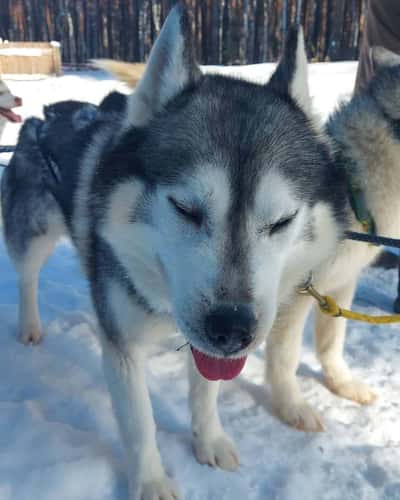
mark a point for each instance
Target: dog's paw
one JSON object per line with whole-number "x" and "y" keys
{"x": 160, "y": 489}
{"x": 300, "y": 415}
{"x": 30, "y": 335}
{"x": 218, "y": 451}
{"x": 353, "y": 389}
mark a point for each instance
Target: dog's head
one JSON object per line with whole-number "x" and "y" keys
{"x": 237, "y": 198}
{"x": 7, "y": 102}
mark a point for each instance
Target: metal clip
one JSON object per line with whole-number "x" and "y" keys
{"x": 308, "y": 289}
{"x": 303, "y": 290}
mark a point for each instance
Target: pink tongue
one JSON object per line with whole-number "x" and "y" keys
{"x": 217, "y": 368}
{"x": 10, "y": 115}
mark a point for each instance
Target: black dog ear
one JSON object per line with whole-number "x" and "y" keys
{"x": 171, "y": 67}
{"x": 114, "y": 102}
{"x": 290, "y": 77}
{"x": 49, "y": 112}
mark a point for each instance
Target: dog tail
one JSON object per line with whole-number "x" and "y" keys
{"x": 129, "y": 73}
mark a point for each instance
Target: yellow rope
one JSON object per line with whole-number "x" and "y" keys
{"x": 329, "y": 306}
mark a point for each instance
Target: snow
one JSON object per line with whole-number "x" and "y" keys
{"x": 58, "y": 436}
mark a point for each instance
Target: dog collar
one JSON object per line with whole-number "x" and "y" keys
{"x": 359, "y": 206}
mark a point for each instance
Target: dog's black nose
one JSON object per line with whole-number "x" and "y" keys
{"x": 230, "y": 328}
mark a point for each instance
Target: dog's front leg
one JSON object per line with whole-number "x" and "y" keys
{"x": 283, "y": 353}
{"x": 211, "y": 444}
{"x": 329, "y": 336}
{"x": 125, "y": 374}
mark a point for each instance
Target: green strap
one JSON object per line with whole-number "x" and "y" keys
{"x": 356, "y": 194}
{"x": 359, "y": 206}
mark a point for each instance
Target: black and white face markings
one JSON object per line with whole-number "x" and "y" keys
{"x": 234, "y": 197}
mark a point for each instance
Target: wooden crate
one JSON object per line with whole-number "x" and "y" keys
{"x": 29, "y": 58}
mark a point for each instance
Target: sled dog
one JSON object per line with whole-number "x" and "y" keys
{"x": 364, "y": 134}
{"x": 202, "y": 206}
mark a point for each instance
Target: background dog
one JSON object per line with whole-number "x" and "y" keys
{"x": 365, "y": 135}
{"x": 32, "y": 218}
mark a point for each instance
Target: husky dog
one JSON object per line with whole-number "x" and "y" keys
{"x": 202, "y": 206}
{"x": 33, "y": 221}
{"x": 7, "y": 102}
{"x": 32, "y": 218}
{"x": 365, "y": 136}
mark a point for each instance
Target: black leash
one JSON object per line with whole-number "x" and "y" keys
{"x": 373, "y": 239}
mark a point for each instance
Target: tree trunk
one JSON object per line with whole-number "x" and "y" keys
{"x": 335, "y": 31}
{"x": 225, "y": 31}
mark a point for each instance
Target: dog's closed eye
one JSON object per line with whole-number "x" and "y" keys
{"x": 278, "y": 226}
{"x": 191, "y": 214}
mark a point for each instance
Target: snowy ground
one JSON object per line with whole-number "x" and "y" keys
{"x": 58, "y": 437}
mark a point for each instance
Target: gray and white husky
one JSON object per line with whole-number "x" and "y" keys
{"x": 365, "y": 137}
{"x": 202, "y": 205}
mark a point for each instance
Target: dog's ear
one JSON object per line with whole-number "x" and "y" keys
{"x": 49, "y": 112}
{"x": 384, "y": 58}
{"x": 171, "y": 67}
{"x": 290, "y": 77}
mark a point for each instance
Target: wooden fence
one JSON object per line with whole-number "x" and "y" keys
{"x": 225, "y": 31}
{"x": 30, "y": 58}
